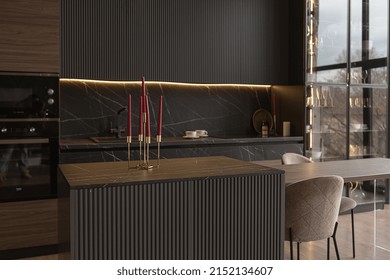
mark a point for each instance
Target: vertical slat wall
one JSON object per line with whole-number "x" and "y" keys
{"x": 220, "y": 218}
{"x": 98, "y": 38}
{"x": 203, "y": 41}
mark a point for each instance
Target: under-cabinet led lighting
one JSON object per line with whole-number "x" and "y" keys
{"x": 164, "y": 83}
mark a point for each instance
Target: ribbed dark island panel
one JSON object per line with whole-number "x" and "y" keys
{"x": 223, "y": 217}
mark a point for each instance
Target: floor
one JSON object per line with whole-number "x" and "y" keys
{"x": 364, "y": 232}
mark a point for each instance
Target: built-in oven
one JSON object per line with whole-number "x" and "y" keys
{"x": 29, "y": 136}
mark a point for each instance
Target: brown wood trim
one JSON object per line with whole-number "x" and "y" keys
{"x": 28, "y": 224}
{"x": 25, "y": 141}
{"x": 29, "y": 36}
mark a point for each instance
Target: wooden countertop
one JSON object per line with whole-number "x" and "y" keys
{"x": 102, "y": 174}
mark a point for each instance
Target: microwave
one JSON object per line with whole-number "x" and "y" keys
{"x": 26, "y": 96}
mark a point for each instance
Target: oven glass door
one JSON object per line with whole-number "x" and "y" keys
{"x": 25, "y": 169}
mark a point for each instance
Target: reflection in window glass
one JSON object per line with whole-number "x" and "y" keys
{"x": 368, "y": 41}
{"x": 336, "y": 76}
{"x": 379, "y": 75}
{"x": 368, "y": 29}
{"x": 327, "y": 41}
{"x": 332, "y": 32}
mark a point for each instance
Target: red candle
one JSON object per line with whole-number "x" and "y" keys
{"x": 145, "y": 108}
{"x": 147, "y": 125}
{"x": 129, "y": 115}
{"x": 159, "y": 121}
{"x": 143, "y": 86}
{"x": 141, "y": 106}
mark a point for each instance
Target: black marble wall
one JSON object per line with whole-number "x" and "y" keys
{"x": 247, "y": 152}
{"x": 89, "y": 108}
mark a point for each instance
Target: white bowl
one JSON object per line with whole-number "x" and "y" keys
{"x": 314, "y": 155}
{"x": 357, "y": 126}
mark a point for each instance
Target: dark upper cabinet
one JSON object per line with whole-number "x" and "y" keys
{"x": 201, "y": 41}
{"x": 29, "y": 36}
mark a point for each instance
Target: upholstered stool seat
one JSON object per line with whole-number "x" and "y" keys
{"x": 347, "y": 204}
{"x": 312, "y": 208}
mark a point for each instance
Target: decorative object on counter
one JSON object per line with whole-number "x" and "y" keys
{"x": 147, "y": 114}
{"x": 190, "y": 134}
{"x": 144, "y": 164}
{"x": 201, "y": 133}
{"x": 140, "y": 127}
{"x": 128, "y": 128}
{"x": 286, "y": 129}
{"x": 264, "y": 129}
{"x": 259, "y": 117}
{"x": 144, "y": 130}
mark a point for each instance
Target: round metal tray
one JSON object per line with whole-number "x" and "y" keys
{"x": 262, "y": 115}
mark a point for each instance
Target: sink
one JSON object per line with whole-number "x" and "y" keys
{"x": 107, "y": 139}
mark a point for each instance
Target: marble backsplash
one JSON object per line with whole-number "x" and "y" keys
{"x": 89, "y": 108}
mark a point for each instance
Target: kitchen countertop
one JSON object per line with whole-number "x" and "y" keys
{"x": 103, "y": 174}
{"x": 109, "y": 143}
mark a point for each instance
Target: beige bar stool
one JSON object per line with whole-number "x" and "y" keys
{"x": 346, "y": 204}
{"x": 312, "y": 208}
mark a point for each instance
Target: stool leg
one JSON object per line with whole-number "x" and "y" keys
{"x": 291, "y": 244}
{"x": 335, "y": 242}
{"x": 327, "y": 249}
{"x": 298, "y": 250}
{"x": 353, "y": 233}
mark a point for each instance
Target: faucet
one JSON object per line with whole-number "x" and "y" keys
{"x": 118, "y": 130}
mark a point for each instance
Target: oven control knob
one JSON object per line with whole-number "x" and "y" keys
{"x": 50, "y": 101}
{"x": 4, "y": 130}
{"x": 32, "y": 129}
{"x": 50, "y": 91}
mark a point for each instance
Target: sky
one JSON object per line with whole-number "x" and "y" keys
{"x": 332, "y": 28}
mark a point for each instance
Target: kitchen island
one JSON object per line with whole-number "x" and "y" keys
{"x": 187, "y": 208}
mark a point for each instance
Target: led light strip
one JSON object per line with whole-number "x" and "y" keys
{"x": 164, "y": 83}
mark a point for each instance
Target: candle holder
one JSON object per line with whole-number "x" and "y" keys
{"x": 274, "y": 127}
{"x": 144, "y": 143}
{"x": 144, "y": 131}
{"x": 128, "y": 151}
{"x": 144, "y": 149}
{"x": 158, "y": 149}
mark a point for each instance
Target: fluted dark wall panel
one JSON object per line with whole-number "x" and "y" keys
{"x": 219, "y": 218}
{"x": 205, "y": 41}
{"x": 98, "y": 38}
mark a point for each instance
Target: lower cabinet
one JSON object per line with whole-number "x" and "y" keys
{"x": 27, "y": 224}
